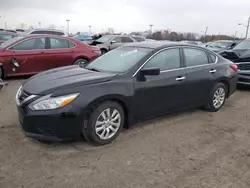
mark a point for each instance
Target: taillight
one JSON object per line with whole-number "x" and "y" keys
{"x": 234, "y": 67}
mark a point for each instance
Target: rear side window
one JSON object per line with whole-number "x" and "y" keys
{"x": 195, "y": 57}
{"x": 58, "y": 43}
{"x": 30, "y": 44}
{"x": 212, "y": 57}
{"x": 117, "y": 39}
{"x": 127, "y": 39}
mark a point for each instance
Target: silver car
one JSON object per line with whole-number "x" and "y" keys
{"x": 110, "y": 42}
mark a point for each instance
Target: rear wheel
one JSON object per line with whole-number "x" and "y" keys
{"x": 1, "y": 73}
{"x": 81, "y": 62}
{"x": 105, "y": 123}
{"x": 217, "y": 97}
{"x": 103, "y": 51}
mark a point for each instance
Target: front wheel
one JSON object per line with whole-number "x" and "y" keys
{"x": 105, "y": 123}
{"x": 217, "y": 97}
{"x": 81, "y": 62}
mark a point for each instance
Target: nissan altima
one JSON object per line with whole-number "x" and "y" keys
{"x": 130, "y": 83}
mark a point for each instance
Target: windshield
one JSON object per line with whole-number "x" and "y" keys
{"x": 119, "y": 60}
{"x": 8, "y": 42}
{"x": 223, "y": 45}
{"x": 245, "y": 44}
{"x": 104, "y": 39}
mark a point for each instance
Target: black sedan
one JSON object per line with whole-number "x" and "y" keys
{"x": 130, "y": 83}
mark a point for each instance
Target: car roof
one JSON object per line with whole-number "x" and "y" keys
{"x": 47, "y": 30}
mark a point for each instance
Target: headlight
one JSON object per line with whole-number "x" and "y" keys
{"x": 50, "y": 103}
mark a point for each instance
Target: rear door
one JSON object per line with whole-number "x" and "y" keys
{"x": 201, "y": 74}
{"x": 164, "y": 92}
{"x": 30, "y": 55}
{"x": 61, "y": 52}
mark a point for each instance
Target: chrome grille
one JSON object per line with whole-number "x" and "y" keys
{"x": 24, "y": 95}
{"x": 243, "y": 66}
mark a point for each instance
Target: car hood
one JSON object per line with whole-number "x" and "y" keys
{"x": 62, "y": 78}
{"x": 236, "y": 54}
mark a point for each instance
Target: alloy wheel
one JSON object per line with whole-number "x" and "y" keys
{"x": 219, "y": 97}
{"x": 108, "y": 123}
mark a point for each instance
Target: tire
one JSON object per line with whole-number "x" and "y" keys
{"x": 1, "y": 73}
{"x": 81, "y": 62}
{"x": 217, "y": 97}
{"x": 103, "y": 51}
{"x": 103, "y": 131}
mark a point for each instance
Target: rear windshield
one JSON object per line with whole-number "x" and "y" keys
{"x": 9, "y": 42}
{"x": 6, "y": 37}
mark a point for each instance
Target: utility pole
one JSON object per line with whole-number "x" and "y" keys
{"x": 39, "y": 24}
{"x": 151, "y": 28}
{"x": 68, "y": 25}
{"x": 5, "y": 25}
{"x": 89, "y": 29}
{"x": 247, "y": 26}
{"x": 206, "y": 31}
{"x": 248, "y": 23}
{"x": 235, "y": 35}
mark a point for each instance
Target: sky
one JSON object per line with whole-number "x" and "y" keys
{"x": 221, "y": 16}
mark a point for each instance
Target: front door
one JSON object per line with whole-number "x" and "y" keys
{"x": 30, "y": 56}
{"x": 115, "y": 43}
{"x": 162, "y": 93}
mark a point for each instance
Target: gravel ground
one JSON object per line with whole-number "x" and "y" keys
{"x": 195, "y": 149}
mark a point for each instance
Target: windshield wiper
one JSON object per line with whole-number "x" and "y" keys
{"x": 92, "y": 69}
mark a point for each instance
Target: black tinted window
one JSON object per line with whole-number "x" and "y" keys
{"x": 30, "y": 44}
{"x": 195, "y": 57}
{"x": 127, "y": 39}
{"x": 58, "y": 43}
{"x": 166, "y": 60}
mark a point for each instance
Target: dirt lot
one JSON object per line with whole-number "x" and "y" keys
{"x": 195, "y": 149}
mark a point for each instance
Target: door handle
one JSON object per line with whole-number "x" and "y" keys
{"x": 180, "y": 78}
{"x": 212, "y": 71}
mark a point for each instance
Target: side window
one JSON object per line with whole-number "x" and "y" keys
{"x": 212, "y": 57}
{"x": 195, "y": 57}
{"x": 117, "y": 40}
{"x": 58, "y": 43}
{"x": 166, "y": 60}
{"x": 127, "y": 39}
{"x": 30, "y": 44}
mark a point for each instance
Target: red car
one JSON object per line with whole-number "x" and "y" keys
{"x": 6, "y": 35}
{"x": 36, "y": 53}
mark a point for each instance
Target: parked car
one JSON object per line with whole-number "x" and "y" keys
{"x": 47, "y": 32}
{"x": 128, "y": 84}
{"x": 36, "y": 53}
{"x": 221, "y": 45}
{"x": 139, "y": 38}
{"x": 189, "y": 42}
{"x": 110, "y": 42}
{"x": 240, "y": 55}
{"x": 83, "y": 37}
{"x": 5, "y": 35}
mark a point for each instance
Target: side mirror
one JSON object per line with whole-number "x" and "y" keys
{"x": 154, "y": 71}
{"x": 14, "y": 62}
{"x": 112, "y": 42}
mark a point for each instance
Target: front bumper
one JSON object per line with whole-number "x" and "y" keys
{"x": 52, "y": 125}
{"x": 244, "y": 77}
